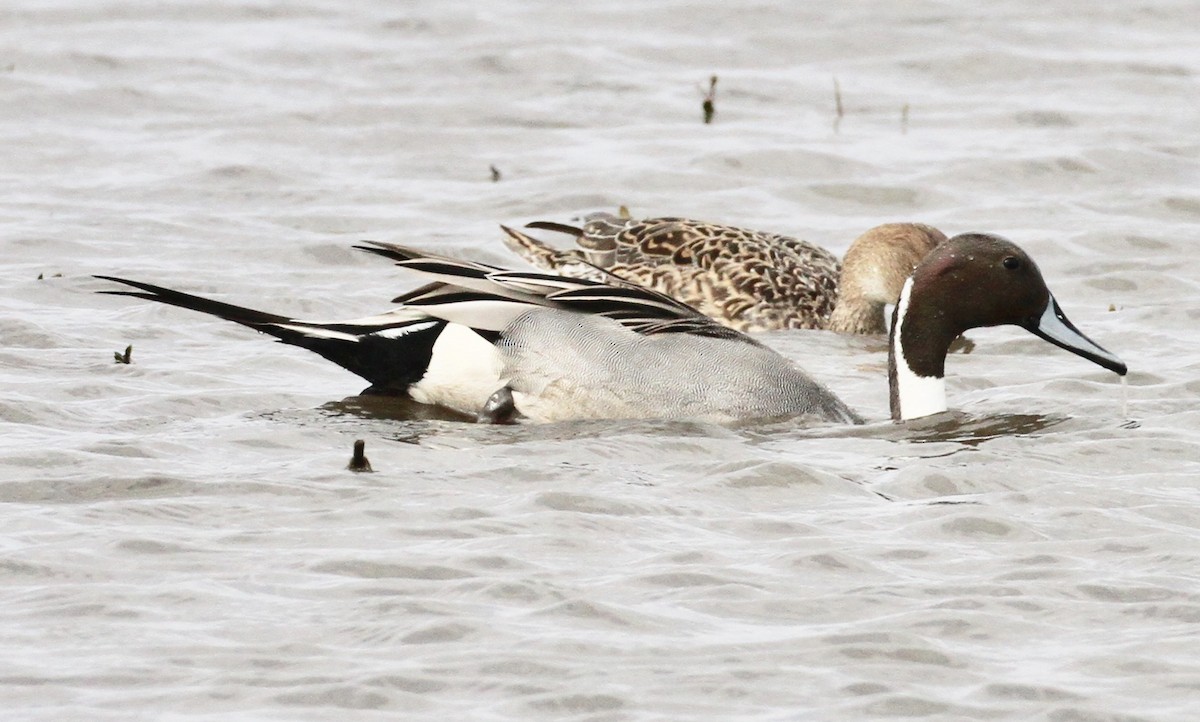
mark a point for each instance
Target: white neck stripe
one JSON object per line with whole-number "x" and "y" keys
{"x": 918, "y": 395}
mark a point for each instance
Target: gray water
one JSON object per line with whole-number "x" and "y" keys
{"x": 182, "y": 540}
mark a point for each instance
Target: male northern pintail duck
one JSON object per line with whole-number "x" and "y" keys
{"x": 500, "y": 344}
{"x": 748, "y": 280}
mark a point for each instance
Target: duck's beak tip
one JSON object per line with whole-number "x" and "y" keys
{"x": 1056, "y": 328}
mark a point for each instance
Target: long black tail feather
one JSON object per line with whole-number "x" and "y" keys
{"x": 390, "y": 363}
{"x": 229, "y": 312}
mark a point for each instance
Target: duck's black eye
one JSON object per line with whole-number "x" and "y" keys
{"x": 1012, "y": 262}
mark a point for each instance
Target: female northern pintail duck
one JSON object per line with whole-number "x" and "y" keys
{"x": 480, "y": 339}
{"x": 748, "y": 280}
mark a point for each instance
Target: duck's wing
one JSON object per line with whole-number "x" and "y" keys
{"x": 750, "y": 280}
{"x": 574, "y": 263}
{"x": 753, "y": 281}
{"x": 483, "y": 296}
{"x": 747, "y": 279}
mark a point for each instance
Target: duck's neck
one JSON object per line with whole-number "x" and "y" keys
{"x": 856, "y": 315}
{"x": 916, "y": 362}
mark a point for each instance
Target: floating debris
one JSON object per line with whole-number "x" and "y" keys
{"x": 710, "y": 98}
{"x": 359, "y": 461}
{"x": 40, "y": 277}
{"x": 495, "y": 173}
{"x": 623, "y": 213}
{"x": 124, "y": 358}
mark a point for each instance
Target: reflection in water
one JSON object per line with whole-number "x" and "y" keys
{"x": 963, "y": 429}
{"x": 391, "y": 408}
{"x": 948, "y": 426}
{"x": 402, "y": 419}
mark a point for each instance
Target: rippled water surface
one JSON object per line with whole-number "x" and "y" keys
{"x": 182, "y": 540}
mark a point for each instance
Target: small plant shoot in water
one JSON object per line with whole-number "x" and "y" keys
{"x": 359, "y": 461}
{"x": 710, "y": 98}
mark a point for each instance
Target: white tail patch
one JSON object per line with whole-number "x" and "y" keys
{"x": 918, "y": 395}
{"x": 463, "y": 372}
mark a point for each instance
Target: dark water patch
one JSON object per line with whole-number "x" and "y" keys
{"x": 349, "y": 698}
{"x": 1147, "y": 243}
{"x": 123, "y": 449}
{"x": 247, "y": 175}
{"x": 1081, "y": 714}
{"x": 1114, "y": 284}
{"x": 22, "y": 334}
{"x": 496, "y": 562}
{"x": 901, "y": 706}
{"x": 519, "y": 592}
{"x": 439, "y": 634}
{"x": 1188, "y": 614}
{"x": 332, "y": 254}
{"x": 11, "y": 568}
{"x": 979, "y": 527}
{"x": 436, "y": 533}
{"x": 908, "y": 655}
{"x": 576, "y": 704}
{"x": 1127, "y": 595}
{"x": 407, "y": 683}
{"x": 756, "y": 162}
{"x": 871, "y": 196}
{"x": 831, "y": 562}
{"x": 770, "y": 474}
{"x": 1033, "y": 575}
{"x": 1184, "y": 206}
{"x": 771, "y": 529}
{"x": 590, "y": 613}
{"x": 1157, "y": 69}
{"x": 953, "y": 627}
{"x": 595, "y": 504}
{"x": 108, "y": 489}
{"x": 683, "y": 580}
{"x": 864, "y": 689}
{"x": 386, "y": 570}
{"x": 1044, "y": 119}
{"x": 153, "y": 547}
{"x": 23, "y": 413}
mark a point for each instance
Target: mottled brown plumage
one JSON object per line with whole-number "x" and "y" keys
{"x": 748, "y": 280}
